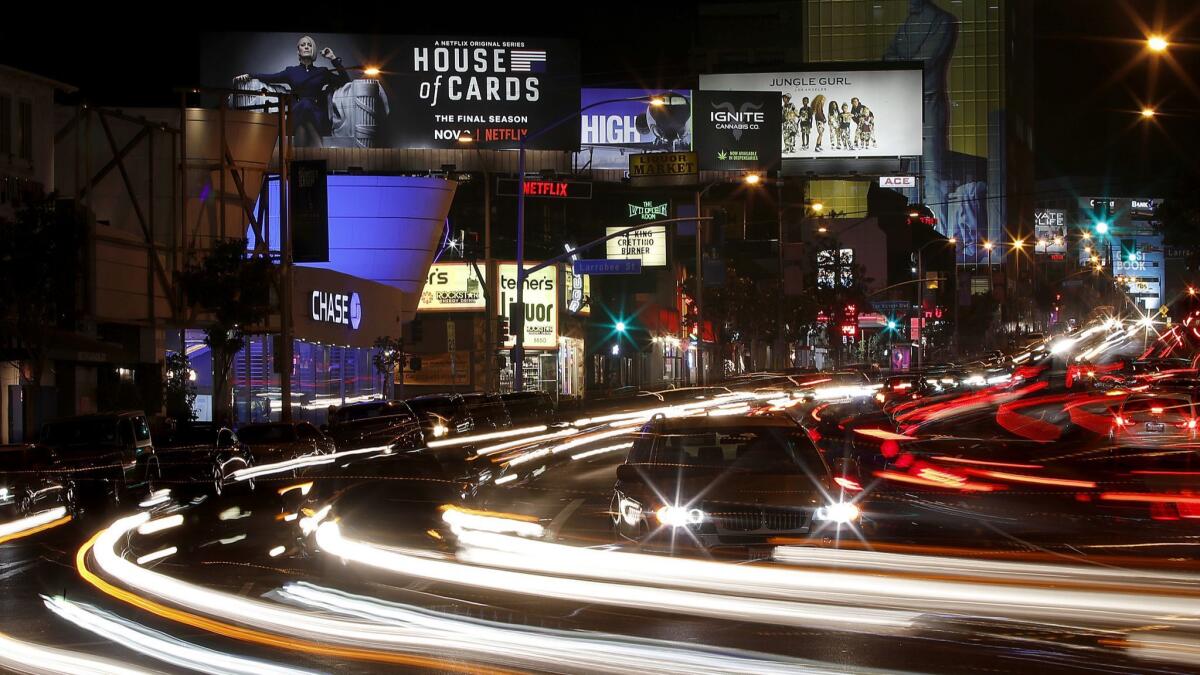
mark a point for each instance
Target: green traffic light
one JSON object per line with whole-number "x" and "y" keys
{"x": 1102, "y": 227}
{"x": 620, "y": 326}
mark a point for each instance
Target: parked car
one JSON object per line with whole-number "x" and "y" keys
{"x": 105, "y": 454}
{"x": 529, "y": 407}
{"x": 488, "y": 412}
{"x": 201, "y": 457}
{"x": 29, "y": 482}
{"x": 442, "y": 414}
{"x": 375, "y": 423}
{"x": 726, "y": 481}
{"x": 271, "y": 442}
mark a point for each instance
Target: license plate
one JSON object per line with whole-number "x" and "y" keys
{"x": 1155, "y": 427}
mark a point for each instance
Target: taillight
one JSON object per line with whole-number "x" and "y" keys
{"x": 1191, "y": 424}
{"x": 814, "y": 435}
{"x": 848, "y": 483}
{"x": 1119, "y": 420}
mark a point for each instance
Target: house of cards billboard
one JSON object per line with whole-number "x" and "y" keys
{"x": 405, "y": 91}
{"x": 848, "y": 113}
{"x": 615, "y": 129}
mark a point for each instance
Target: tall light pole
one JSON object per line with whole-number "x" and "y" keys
{"x": 517, "y": 323}
{"x": 489, "y": 324}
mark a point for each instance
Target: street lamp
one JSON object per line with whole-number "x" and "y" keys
{"x": 817, "y": 207}
{"x": 519, "y": 323}
{"x": 752, "y": 179}
{"x": 1157, "y": 43}
{"x": 1147, "y": 113}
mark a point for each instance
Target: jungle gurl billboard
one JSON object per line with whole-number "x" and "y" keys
{"x": 854, "y": 113}
{"x": 405, "y": 91}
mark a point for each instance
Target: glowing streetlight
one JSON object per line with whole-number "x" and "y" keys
{"x": 466, "y": 137}
{"x": 987, "y": 246}
{"x": 1018, "y": 244}
{"x": 818, "y": 207}
{"x": 1157, "y": 43}
{"x": 371, "y": 71}
{"x": 1147, "y": 113}
{"x": 822, "y": 229}
{"x": 952, "y": 241}
{"x": 658, "y": 101}
{"x": 1087, "y": 236}
{"x": 752, "y": 179}
{"x": 1191, "y": 290}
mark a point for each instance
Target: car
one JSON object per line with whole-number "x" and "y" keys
{"x": 529, "y": 407}
{"x": 272, "y": 442}
{"x": 1154, "y": 420}
{"x": 442, "y": 414}
{"x": 712, "y": 482}
{"x": 29, "y": 482}
{"x": 488, "y": 412}
{"x": 201, "y": 457}
{"x": 107, "y": 455}
{"x": 374, "y": 423}
{"x": 682, "y": 395}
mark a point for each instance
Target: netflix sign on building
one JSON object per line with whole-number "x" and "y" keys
{"x": 405, "y": 91}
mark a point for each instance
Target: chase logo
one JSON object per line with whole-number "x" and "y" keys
{"x": 355, "y": 311}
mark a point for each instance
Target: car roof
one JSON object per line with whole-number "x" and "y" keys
{"x": 727, "y": 422}
{"x": 99, "y": 416}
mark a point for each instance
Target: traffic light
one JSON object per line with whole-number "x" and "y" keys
{"x": 1129, "y": 250}
{"x": 620, "y": 326}
{"x": 1101, "y": 226}
{"x": 502, "y": 330}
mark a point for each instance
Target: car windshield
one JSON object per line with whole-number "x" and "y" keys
{"x": 439, "y": 405}
{"x": 267, "y": 433}
{"x": 98, "y": 431}
{"x": 368, "y": 411}
{"x": 753, "y": 449}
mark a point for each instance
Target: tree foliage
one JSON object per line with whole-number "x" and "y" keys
{"x": 39, "y": 274}
{"x": 233, "y": 288}
{"x": 179, "y": 390}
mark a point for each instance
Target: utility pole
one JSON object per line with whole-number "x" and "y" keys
{"x": 285, "y": 268}
{"x": 700, "y": 374}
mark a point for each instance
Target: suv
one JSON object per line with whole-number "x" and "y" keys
{"x": 727, "y": 481}
{"x": 360, "y": 425}
{"x": 106, "y": 454}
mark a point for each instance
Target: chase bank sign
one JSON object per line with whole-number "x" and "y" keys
{"x": 336, "y": 308}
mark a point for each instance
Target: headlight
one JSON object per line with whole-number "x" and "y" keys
{"x": 440, "y": 430}
{"x": 675, "y": 516}
{"x": 841, "y": 512}
{"x": 4, "y": 494}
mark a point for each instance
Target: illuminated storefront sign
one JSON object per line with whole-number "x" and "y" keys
{"x": 554, "y": 189}
{"x": 898, "y": 181}
{"x": 621, "y": 122}
{"x": 648, "y": 245}
{"x": 648, "y": 210}
{"x": 341, "y": 308}
{"x": 541, "y": 304}
{"x": 737, "y": 130}
{"x": 452, "y": 287}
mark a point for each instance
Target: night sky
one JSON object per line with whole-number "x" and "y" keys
{"x": 1093, "y": 70}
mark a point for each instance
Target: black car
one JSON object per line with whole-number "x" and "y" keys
{"x": 30, "y": 482}
{"x": 488, "y": 412}
{"x": 529, "y": 407}
{"x": 727, "y": 481}
{"x": 272, "y": 442}
{"x": 442, "y": 414}
{"x": 105, "y": 454}
{"x": 375, "y": 423}
{"x": 201, "y": 457}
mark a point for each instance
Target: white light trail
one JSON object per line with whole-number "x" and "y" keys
{"x": 157, "y": 555}
{"x": 31, "y": 522}
{"x": 631, "y": 595}
{"x": 161, "y": 524}
{"x": 460, "y": 520}
{"x": 26, "y": 657}
{"x": 500, "y": 447}
{"x": 601, "y": 451}
{"x": 158, "y": 645}
{"x": 156, "y": 498}
{"x": 467, "y": 440}
{"x": 506, "y": 479}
